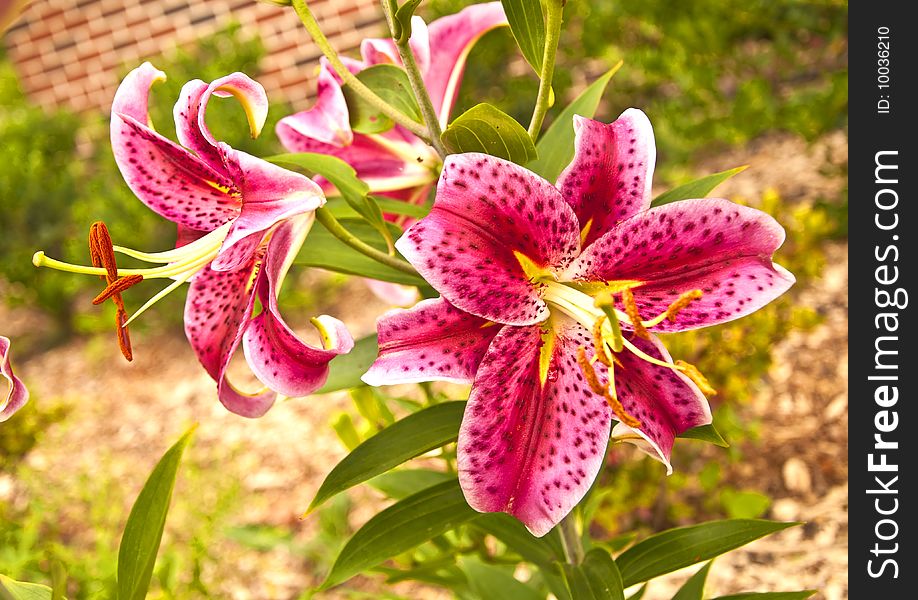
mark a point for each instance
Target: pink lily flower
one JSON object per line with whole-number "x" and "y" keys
{"x": 548, "y": 297}
{"x": 241, "y": 221}
{"x": 395, "y": 164}
{"x": 17, "y": 394}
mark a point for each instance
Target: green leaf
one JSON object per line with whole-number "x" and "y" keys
{"x": 705, "y": 433}
{"x": 404, "y": 482}
{"x": 698, "y": 188}
{"x": 347, "y": 185}
{"x": 487, "y": 129}
{"x": 675, "y": 549}
{"x": 597, "y": 578}
{"x": 401, "y": 527}
{"x": 344, "y": 428}
{"x": 389, "y": 83}
{"x": 556, "y": 146}
{"x": 345, "y": 370}
{"x": 543, "y": 551}
{"x": 491, "y": 582}
{"x": 323, "y": 250}
{"x": 638, "y": 594}
{"x": 144, "y": 529}
{"x": 527, "y": 22}
{"x": 801, "y": 595}
{"x": 403, "y": 20}
{"x": 693, "y": 589}
{"x": 341, "y": 210}
{"x": 744, "y": 504}
{"x": 403, "y": 440}
{"x": 17, "y": 590}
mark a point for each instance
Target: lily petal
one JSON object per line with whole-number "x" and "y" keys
{"x": 721, "y": 248}
{"x": 279, "y": 358}
{"x": 17, "y": 395}
{"x": 393, "y": 293}
{"x": 191, "y": 108}
{"x": 186, "y": 190}
{"x": 528, "y": 448}
{"x": 609, "y": 179}
{"x": 245, "y": 404}
{"x": 431, "y": 341}
{"x": 270, "y": 194}
{"x": 665, "y": 401}
{"x": 217, "y": 310}
{"x": 450, "y": 40}
{"x": 487, "y": 213}
{"x": 326, "y": 123}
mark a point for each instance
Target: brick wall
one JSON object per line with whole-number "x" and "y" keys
{"x": 71, "y": 52}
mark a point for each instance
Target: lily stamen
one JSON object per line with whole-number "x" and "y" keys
{"x": 101, "y": 253}
{"x": 634, "y": 316}
{"x": 117, "y": 287}
{"x": 608, "y": 393}
{"x": 673, "y": 310}
{"x": 692, "y": 372}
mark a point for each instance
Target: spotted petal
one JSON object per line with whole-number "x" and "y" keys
{"x": 528, "y": 448}
{"x": 17, "y": 394}
{"x": 721, "y": 248}
{"x": 666, "y": 402}
{"x": 169, "y": 179}
{"x": 609, "y": 178}
{"x": 431, "y": 341}
{"x": 487, "y": 213}
{"x": 270, "y": 194}
{"x": 277, "y": 356}
{"x": 450, "y": 40}
{"x": 217, "y": 310}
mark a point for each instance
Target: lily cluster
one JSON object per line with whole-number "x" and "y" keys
{"x": 550, "y": 293}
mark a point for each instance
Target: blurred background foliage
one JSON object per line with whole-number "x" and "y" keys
{"x": 711, "y": 74}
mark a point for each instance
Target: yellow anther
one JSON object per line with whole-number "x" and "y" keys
{"x": 683, "y": 301}
{"x": 589, "y": 373}
{"x": 690, "y": 371}
{"x": 634, "y": 316}
{"x": 608, "y": 393}
{"x": 599, "y": 345}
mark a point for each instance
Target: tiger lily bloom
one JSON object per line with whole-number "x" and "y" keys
{"x": 549, "y": 299}
{"x": 396, "y": 163}
{"x": 17, "y": 394}
{"x": 240, "y": 220}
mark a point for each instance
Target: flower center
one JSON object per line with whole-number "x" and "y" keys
{"x": 598, "y": 314}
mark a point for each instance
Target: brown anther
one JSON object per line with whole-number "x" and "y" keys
{"x": 620, "y": 411}
{"x": 592, "y": 380}
{"x": 634, "y": 316}
{"x": 599, "y": 346}
{"x": 102, "y": 254}
{"x": 116, "y": 287}
{"x": 589, "y": 373}
{"x": 692, "y": 372}
{"x": 681, "y": 302}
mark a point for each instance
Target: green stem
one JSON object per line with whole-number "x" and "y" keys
{"x": 554, "y": 10}
{"x": 312, "y": 26}
{"x": 421, "y": 94}
{"x": 570, "y": 539}
{"x": 324, "y": 216}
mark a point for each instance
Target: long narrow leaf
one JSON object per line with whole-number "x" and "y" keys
{"x": 412, "y": 436}
{"x": 677, "y": 548}
{"x": 345, "y": 370}
{"x": 401, "y": 527}
{"x": 597, "y": 578}
{"x": 556, "y": 146}
{"x": 693, "y": 589}
{"x": 698, "y": 188}
{"x": 543, "y": 551}
{"x": 144, "y": 529}
{"x": 528, "y": 26}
